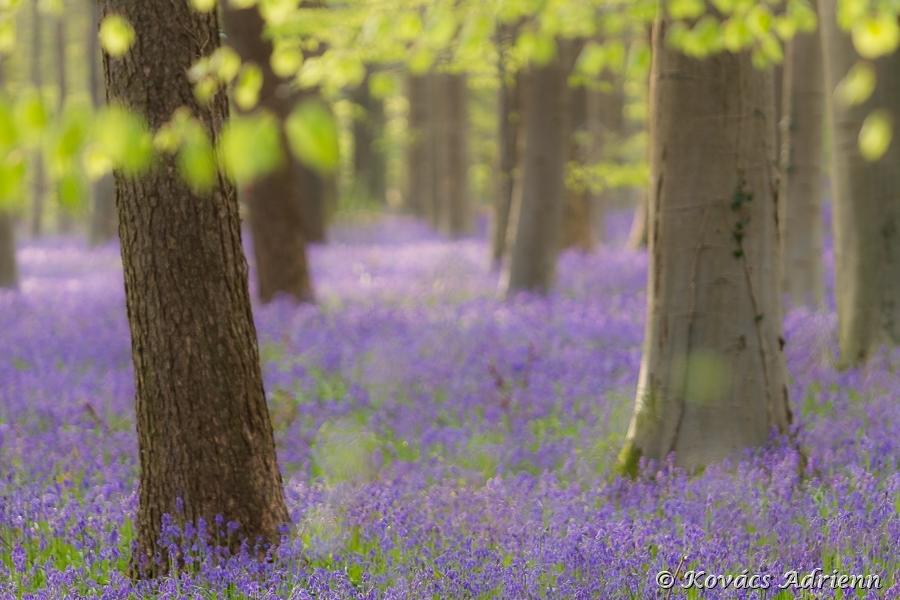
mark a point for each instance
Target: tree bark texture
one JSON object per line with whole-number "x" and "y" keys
{"x": 866, "y": 204}
{"x": 204, "y": 433}
{"x": 536, "y": 216}
{"x": 276, "y": 215}
{"x": 576, "y": 230}
{"x": 369, "y": 161}
{"x": 801, "y": 171}
{"x": 451, "y": 156}
{"x": 104, "y": 222}
{"x": 713, "y": 377}
{"x": 419, "y": 163}
{"x": 37, "y": 206}
{"x": 9, "y": 273}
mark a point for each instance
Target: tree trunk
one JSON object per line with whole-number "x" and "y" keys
{"x": 536, "y": 216}
{"x": 637, "y": 235}
{"x": 576, "y": 229}
{"x": 452, "y": 203}
{"x": 9, "y": 273}
{"x": 66, "y": 222}
{"x": 204, "y": 433}
{"x": 420, "y": 179}
{"x": 314, "y": 191}
{"x": 104, "y": 223}
{"x": 509, "y": 116}
{"x": 801, "y": 168}
{"x": 866, "y": 204}
{"x": 276, "y": 215}
{"x": 713, "y": 376}
{"x": 368, "y": 156}
{"x": 37, "y": 206}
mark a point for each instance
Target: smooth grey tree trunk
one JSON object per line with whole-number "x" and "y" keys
{"x": 713, "y": 378}
{"x": 537, "y": 211}
{"x": 801, "y": 168}
{"x": 866, "y": 204}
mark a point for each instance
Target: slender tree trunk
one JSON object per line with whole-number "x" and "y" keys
{"x": 368, "y": 155}
{"x": 9, "y": 272}
{"x": 204, "y": 433}
{"x": 576, "y": 230}
{"x": 104, "y": 223}
{"x": 454, "y": 213}
{"x": 276, "y": 215}
{"x": 801, "y": 167}
{"x": 66, "y": 222}
{"x": 596, "y": 202}
{"x": 37, "y": 206}
{"x": 637, "y": 235}
{"x": 536, "y": 216}
{"x": 509, "y": 113}
{"x": 866, "y": 204}
{"x": 713, "y": 376}
{"x": 420, "y": 185}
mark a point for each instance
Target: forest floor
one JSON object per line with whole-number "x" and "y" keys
{"x": 439, "y": 443}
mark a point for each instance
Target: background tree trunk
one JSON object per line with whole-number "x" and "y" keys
{"x": 451, "y": 166}
{"x": 713, "y": 376}
{"x": 37, "y": 203}
{"x": 104, "y": 223}
{"x": 866, "y": 204}
{"x": 276, "y": 215}
{"x": 368, "y": 156}
{"x": 204, "y": 433}
{"x": 536, "y": 216}
{"x": 64, "y": 214}
{"x": 637, "y": 235}
{"x": 420, "y": 184}
{"x": 9, "y": 272}
{"x": 801, "y": 168}
{"x": 576, "y": 230}
{"x": 509, "y": 117}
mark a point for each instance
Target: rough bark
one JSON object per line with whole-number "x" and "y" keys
{"x": 419, "y": 183}
{"x": 801, "y": 171}
{"x": 37, "y": 202}
{"x": 451, "y": 156}
{"x": 276, "y": 215}
{"x": 104, "y": 222}
{"x": 370, "y": 168}
{"x": 536, "y": 216}
{"x": 866, "y": 204}
{"x": 713, "y": 377}
{"x": 576, "y": 230}
{"x": 204, "y": 433}
{"x": 509, "y": 113}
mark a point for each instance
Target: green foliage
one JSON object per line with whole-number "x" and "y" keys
{"x": 875, "y": 135}
{"x": 313, "y": 136}
{"x": 857, "y": 86}
{"x": 250, "y": 146}
{"x": 116, "y": 35}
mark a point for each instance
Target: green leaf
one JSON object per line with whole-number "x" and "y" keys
{"x": 857, "y": 86}
{"x": 591, "y": 60}
{"x": 286, "y": 60}
{"x": 803, "y": 15}
{"x": 124, "y": 139}
{"x": 878, "y": 36}
{"x": 441, "y": 28}
{"x": 7, "y": 36}
{"x": 408, "y": 27}
{"x": 759, "y": 20}
{"x": 9, "y": 134}
{"x": 205, "y": 88}
{"x": 772, "y": 48}
{"x": 736, "y": 34}
{"x": 420, "y": 61}
{"x": 475, "y": 33}
{"x": 197, "y": 161}
{"x": 686, "y": 9}
{"x": 250, "y": 147}
{"x": 32, "y": 116}
{"x": 875, "y": 134}
{"x": 12, "y": 177}
{"x": 313, "y": 136}
{"x": 537, "y": 48}
{"x": 203, "y": 5}
{"x": 116, "y": 35}
{"x": 71, "y": 191}
{"x": 249, "y": 82}
{"x": 225, "y": 63}
{"x": 382, "y": 84}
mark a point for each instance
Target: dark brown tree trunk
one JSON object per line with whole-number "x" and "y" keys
{"x": 37, "y": 206}
{"x": 576, "y": 230}
{"x": 454, "y": 213}
{"x": 314, "y": 191}
{"x": 276, "y": 215}
{"x": 536, "y": 217}
{"x": 420, "y": 184}
{"x": 204, "y": 433}
{"x": 368, "y": 155}
{"x": 104, "y": 223}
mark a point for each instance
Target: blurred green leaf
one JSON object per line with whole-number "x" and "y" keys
{"x": 116, "y": 35}
{"x": 32, "y": 116}
{"x": 441, "y": 27}
{"x": 286, "y": 60}
{"x": 537, "y": 48}
{"x": 857, "y": 86}
{"x": 382, "y": 84}
{"x": 420, "y": 61}
{"x": 249, "y": 82}
{"x": 12, "y": 177}
{"x": 225, "y": 63}
{"x": 591, "y": 60}
{"x": 197, "y": 162}
{"x": 203, "y": 5}
{"x": 408, "y": 27}
{"x": 736, "y": 35}
{"x": 877, "y": 36}
{"x": 206, "y": 88}
{"x": 7, "y": 36}
{"x": 686, "y": 9}
{"x": 71, "y": 190}
{"x": 875, "y": 135}
{"x": 124, "y": 139}
{"x": 250, "y": 146}
{"x": 313, "y": 136}
{"x": 9, "y": 134}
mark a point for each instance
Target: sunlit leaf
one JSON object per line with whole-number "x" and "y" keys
{"x": 96, "y": 162}
{"x": 286, "y": 60}
{"x": 420, "y": 61}
{"x": 7, "y": 36}
{"x": 239, "y": 4}
{"x": 772, "y": 48}
{"x": 876, "y": 36}
{"x": 12, "y": 178}
{"x": 250, "y": 146}
{"x": 537, "y": 48}
{"x": 382, "y": 84}
{"x": 857, "y": 86}
{"x": 313, "y": 136}
{"x": 475, "y": 33}
{"x": 759, "y": 20}
{"x": 9, "y": 133}
{"x": 441, "y": 28}
{"x": 246, "y": 89}
{"x": 803, "y": 15}
{"x": 408, "y": 27}
{"x": 785, "y": 27}
{"x": 591, "y": 59}
{"x": 875, "y": 134}
{"x": 277, "y": 12}
{"x": 203, "y": 5}
{"x": 71, "y": 191}
{"x": 197, "y": 161}
{"x": 686, "y": 9}
{"x": 116, "y": 35}
{"x": 724, "y": 6}
{"x": 124, "y": 139}
{"x": 32, "y": 116}
{"x": 205, "y": 88}
{"x": 225, "y": 63}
